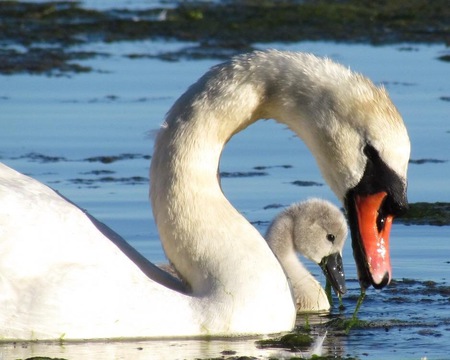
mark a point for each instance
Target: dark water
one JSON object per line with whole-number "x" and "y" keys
{"x": 90, "y": 136}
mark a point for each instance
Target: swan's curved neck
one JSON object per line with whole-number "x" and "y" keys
{"x": 197, "y": 225}
{"x": 199, "y": 228}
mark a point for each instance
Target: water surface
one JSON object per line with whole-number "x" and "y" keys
{"x": 90, "y": 137}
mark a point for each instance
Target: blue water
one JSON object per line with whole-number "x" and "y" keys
{"x": 117, "y": 108}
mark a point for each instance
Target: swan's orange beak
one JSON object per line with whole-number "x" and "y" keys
{"x": 374, "y": 229}
{"x": 371, "y": 206}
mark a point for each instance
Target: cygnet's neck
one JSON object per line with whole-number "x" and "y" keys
{"x": 308, "y": 292}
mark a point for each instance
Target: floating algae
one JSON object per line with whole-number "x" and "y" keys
{"x": 294, "y": 340}
{"x": 51, "y": 32}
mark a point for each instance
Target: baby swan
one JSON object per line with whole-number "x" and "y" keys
{"x": 316, "y": 229}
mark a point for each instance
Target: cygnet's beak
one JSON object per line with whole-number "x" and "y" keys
{"x": 333, "y": 269}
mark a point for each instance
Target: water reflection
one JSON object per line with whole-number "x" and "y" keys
{"x": 151, "y": 349}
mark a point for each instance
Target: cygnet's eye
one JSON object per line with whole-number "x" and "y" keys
{"x": 330, "y": 237}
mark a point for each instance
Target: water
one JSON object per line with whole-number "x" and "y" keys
{"x": 54, "y": 127}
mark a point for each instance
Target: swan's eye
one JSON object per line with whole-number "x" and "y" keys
{"x": 381, "y": 219}
{"x": 330, "y": 237}
{"x": 380, "y": 222}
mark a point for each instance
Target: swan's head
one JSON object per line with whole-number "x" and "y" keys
{"x": 376, "y": 191}
{"x": 362, "y": 148}
{"x": 372, "y": 204}
{"x": 319, "y": 233}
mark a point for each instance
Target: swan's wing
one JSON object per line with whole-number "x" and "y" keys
{"x": 61, "y": 276}
{"x": 151, "y": 270}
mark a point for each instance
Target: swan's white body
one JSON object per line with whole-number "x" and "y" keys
{"x": 315, "y": 229}
{"x": 61, "y": 277}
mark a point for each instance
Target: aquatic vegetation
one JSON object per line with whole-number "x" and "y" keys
{"x": 273, "y": 206}
{"x": 306, "y": 183}
{"x": 354, "y": 321}
{"x": 264, "y": 167}
{"x": 240, "y": 174}
{"x": 108, "y": 159}
{"x": 423, "y": 213}
{"x": 426, "y": 161}
{"x": 444, "y": 58}
{"x": 294, "y": 340}
{"x": 330, "y": 296}
{"x": 42, "y": 358}
{"x": 42, "y": 61}
{"x": 42, "y": 158}
{"x": 48, "y": 30}
{"x": 133, "y": 180}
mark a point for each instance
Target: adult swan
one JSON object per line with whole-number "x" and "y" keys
{"x": 65, "y": 275}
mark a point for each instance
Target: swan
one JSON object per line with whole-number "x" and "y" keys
{"x": 64, "y": 275}
{"x": 317, "y": 230}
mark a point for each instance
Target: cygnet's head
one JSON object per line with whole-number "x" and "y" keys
{"x": 319, "y": 229}
{"x": 316, "y": 229}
